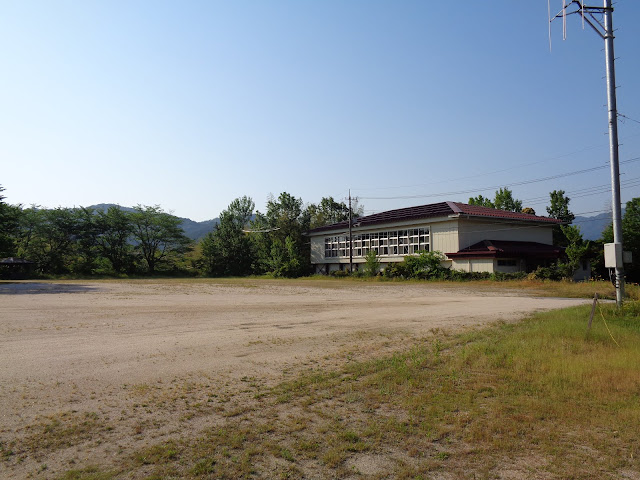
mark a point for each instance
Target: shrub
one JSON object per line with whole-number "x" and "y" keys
{"x": 502, "y": 276}
{"x": 557, "y": 271}
{"x": 340, "y": 273}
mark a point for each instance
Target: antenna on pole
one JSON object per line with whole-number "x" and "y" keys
{"x": 549, "y": 13}
{"x": 600, "y": 19}
{"x": 564, "y": 20}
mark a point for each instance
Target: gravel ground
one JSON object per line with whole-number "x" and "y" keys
{"x": 94, "y": 347}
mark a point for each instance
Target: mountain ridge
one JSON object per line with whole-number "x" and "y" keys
{"x": 592, "y": 227}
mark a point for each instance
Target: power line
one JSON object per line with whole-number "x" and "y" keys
{"x": 586, "y": 192}
{"x": 627, "y": 118}
{"x": 484, "y": 174}
{"x": 476, "y": 190}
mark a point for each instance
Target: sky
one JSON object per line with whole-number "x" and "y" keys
{"x": 189, "y": 105}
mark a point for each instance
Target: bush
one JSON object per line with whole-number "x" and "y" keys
{"x": 501, "y": 276}
{"x": 340, "y": 273}
{"x": 557, "y": 271}
{"x": 396, "y": 270}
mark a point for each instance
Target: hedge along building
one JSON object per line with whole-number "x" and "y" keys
{"x": 473, "y": 238}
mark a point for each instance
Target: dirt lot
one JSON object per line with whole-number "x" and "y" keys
{"x": 127, "y": 363}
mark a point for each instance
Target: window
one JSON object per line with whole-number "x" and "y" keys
{"x": 395, "y": 242}
{"x": 507, "y": 263}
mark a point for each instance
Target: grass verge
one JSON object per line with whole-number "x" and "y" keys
{"x": 542, "y": 398}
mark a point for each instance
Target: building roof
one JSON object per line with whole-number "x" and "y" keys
{"x": 433, "y": 210}
{"x": 507, "y": 249}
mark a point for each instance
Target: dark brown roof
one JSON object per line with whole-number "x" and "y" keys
{"x": 478, "y": 211}
{"x": 507, "y": 249}
{"x": 433, "y": 210}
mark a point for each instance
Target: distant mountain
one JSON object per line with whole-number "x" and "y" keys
{"x": 193, "y": 230}
{"x": 592, "y": 227}
{"x": 197, "y": 230}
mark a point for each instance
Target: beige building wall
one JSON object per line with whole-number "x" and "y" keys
{"x": 444, "y": 236}
{"x": 471, "y": 232}
{"x": 474, "y": 265}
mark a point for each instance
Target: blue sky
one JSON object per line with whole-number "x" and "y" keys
{"x": 191, "y": 104}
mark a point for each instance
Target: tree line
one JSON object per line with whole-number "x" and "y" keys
{"x": 146, "y": 240}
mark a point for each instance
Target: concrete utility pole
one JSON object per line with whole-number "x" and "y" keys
{"x": 605, "y": 30}
{"x": 613, "y": 143}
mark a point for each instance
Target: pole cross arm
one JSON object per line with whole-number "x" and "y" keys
{"x": 587, "y": 11}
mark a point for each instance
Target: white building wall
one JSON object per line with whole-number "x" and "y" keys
{"x": 473, "y": 231}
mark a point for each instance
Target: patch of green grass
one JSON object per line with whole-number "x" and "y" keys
{"x": 62, "y": 430}
{"x": 89, "y": 473}
{"x": 159, "y": 454}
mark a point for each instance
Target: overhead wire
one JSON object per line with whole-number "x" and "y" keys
{"x": 586, "y": 192}
{"x": 493, "y": 187}
{"x": 628, "y": 118}
{"x": 484, "y": 174}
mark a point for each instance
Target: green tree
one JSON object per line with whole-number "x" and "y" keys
{"x": 328, "y": 211}
{"x": 559, "y": 208}
{"x": 114, "y": 229}
{"x": 26, "y": 231}
{"x": 158, "y": 237}
{"x": 630, "y": 239}
{"x": 9, "y": 221}
{"x": 85, "y": 260}
{"x": 481, "y": 202}
{"x": 504, "y": 201}
{"x": 48, "y": 237}
{"x": 285, "y": 219}
{"x": 228, "y": 251}
{"x": 576, "y": 250}
{"x": 285, "y": 259}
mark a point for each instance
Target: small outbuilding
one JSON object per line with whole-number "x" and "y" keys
{"x": 13, "y": 268}
{"x": 473, "y": 238}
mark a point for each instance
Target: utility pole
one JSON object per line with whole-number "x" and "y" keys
{"x": 604, "y": 29}
{"x": 350, "y": 238}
